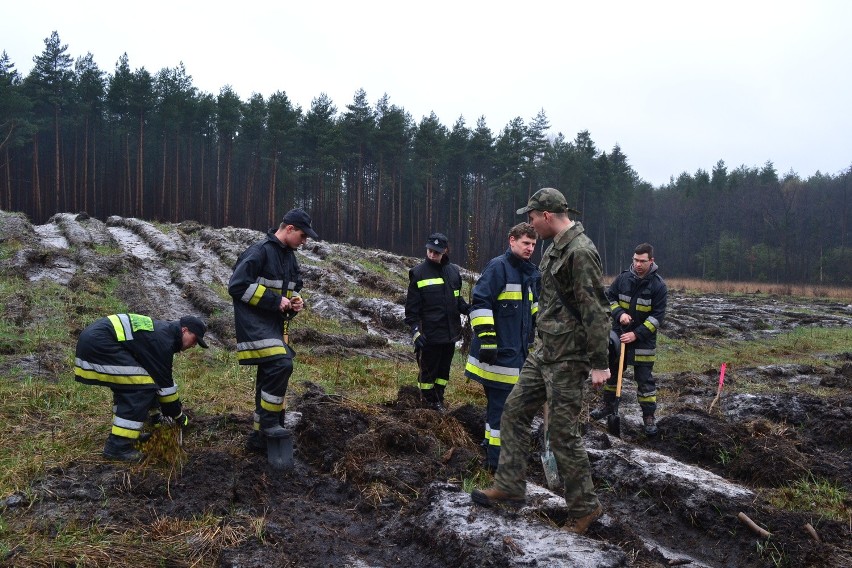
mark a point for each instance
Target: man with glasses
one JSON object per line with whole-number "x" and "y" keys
{"x": 638, "y": 303}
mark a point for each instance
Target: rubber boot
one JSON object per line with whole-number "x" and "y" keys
{"x": 123, "y": 449}
{"x": 650, "y": 425}
{"x": 256, "y": 442}
{"x": 606, "y": 407}
{"x": 279, "y": 447}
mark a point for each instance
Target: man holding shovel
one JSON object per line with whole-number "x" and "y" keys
{"x": 638, "y": 302}
{"x": 572, "y": 325}
{"x": 265, "y": 290}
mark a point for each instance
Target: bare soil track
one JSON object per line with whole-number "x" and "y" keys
{"x": 382, "y": 485}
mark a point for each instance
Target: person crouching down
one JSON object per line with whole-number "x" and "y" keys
{"x": 132, "y": 354}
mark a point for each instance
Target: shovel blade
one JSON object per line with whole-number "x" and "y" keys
{"x": 551, "y": 472}
{"x": 279, "y": 451}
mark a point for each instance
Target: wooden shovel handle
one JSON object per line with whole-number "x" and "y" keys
{"x": 620, "y": 371}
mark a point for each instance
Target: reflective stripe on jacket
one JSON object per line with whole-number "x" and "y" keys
{"x": 265, "y": 272}
{"x": 434, "y": 302}
{"x": 645, "y": 300}
{"x": 502, "y": 313}
{"x": 128, "y": 351}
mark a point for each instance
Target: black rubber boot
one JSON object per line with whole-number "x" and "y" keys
{"x": 604, "y": 410}
{"x": 256, "y": 442}
{"x": 650, "y": 425}
{"x": 121, "y": 449}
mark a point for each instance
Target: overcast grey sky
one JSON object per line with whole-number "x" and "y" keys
{"x": 678, "y": 85}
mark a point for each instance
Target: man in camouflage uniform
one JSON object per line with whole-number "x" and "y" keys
{"x": 573, "y": 326}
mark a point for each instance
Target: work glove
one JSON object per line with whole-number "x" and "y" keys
{"x": 181, "y": 420}
{"x": 488, "y": 354}
{"x": 418, "y": 339}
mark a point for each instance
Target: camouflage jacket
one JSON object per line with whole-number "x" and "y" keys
{"x": 573, "y": 319}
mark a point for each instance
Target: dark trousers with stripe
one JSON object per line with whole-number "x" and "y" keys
{"x": 130, "y": 411}
{"x": 272, "y": 380}
{"x": 493, "y": 415}
{"x": 646, "y": 387}
{"x": 435, "y": 361}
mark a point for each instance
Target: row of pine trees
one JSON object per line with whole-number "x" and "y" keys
{"x": 151, "y": 145}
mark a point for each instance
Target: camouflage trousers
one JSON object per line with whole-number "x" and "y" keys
{"x": 561, "y": 385}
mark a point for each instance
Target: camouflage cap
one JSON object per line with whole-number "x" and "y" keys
{"x": 547, "y": 199}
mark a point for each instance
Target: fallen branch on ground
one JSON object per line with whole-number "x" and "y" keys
{"x": 753, "y": 526}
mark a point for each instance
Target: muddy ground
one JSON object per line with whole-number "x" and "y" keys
{"x": 382, "y": 485}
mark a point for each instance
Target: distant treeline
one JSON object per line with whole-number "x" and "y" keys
{"x": 76, "y": 138}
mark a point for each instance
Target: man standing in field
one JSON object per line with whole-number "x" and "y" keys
{"x": 572, "y": 325}
{"x": 502, "y": 314}
{"x": 265, "y": 290}
{"x": 638, "y": 302}
{"x": 433, "y": 309}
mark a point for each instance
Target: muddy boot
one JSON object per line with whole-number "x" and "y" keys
{"x": 256, "y": 442}
{"x": 650, "y": 425}
{"x": 121, "y": 449}
{"x": 581, "y": 525}
{"x": 279, "y": 447}
{"x": 604, "y": 410}
{"x": 494, "y": 496}
{"x": 606, "y": 407}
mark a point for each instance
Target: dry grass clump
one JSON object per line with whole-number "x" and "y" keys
{"x": 768, "y": 288}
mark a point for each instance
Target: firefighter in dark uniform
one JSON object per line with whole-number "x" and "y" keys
{"x": 265, "y": 291}
{"x": 132, "y": 354}
{"x": 432, "y": 312}
{"x": 502, "y": 314}
{"x": 638, "y": 302}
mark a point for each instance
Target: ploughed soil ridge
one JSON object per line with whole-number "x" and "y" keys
{"x": 386, "y": 485}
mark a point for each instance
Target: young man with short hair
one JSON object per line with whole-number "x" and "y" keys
{"x": 502, "y": 313}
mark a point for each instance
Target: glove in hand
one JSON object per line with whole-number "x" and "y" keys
{"x": 181, "y": 420}
{"x": 488, "y": 355}
{"x": 419, "y": 340}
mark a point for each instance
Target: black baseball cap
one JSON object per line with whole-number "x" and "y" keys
{"x": 300, "y": 219}
{"x": 196, "y": 326}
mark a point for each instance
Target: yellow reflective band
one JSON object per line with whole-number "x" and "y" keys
{"x": 425, "y": 386}
{"x": 168, "y": 398}
{"x": 492, "y": 441}
{"x": 456, "y": 293}
{"x": 650, "y": 326}
{"x": 113, "y": 379}
{"x": 119, "y": 329}
{"x": 510, "y": 296}
{"x": 534, "y": 309}
{"x": 652, "y": 398}
{"x": 488, "y": 346}
{"x": 484, "y": 320}
{"x": 645, "y": 358}
{"x": 125, "y": 433}
{"x": 271, "y": 407}
{"x": 258, "y": 294}
{"x": 614, "y": 305}
{"x": 622, "y": 304}
{"x": 261, "y": 353}
{"x": 491, "y": 376}
{"x": 641, "y": 308}
{"x": 441, "y": 382}
{"x": 430, "y": 282}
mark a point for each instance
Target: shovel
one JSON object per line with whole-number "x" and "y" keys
{"x": 613, "y": 421}
{"x": 548, "y": 459}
